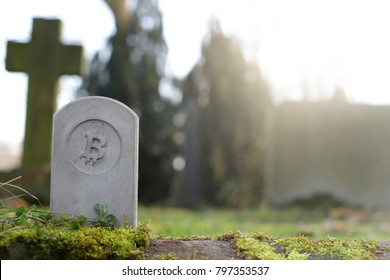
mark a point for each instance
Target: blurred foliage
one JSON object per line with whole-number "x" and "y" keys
{"x": 132, "y": 75}
{"x": 231, "y": 96}
{"x": 227, "y": 90}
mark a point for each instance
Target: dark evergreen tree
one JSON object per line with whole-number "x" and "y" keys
{"x": 132, "y": 75}
{"x": 231, "y": 97}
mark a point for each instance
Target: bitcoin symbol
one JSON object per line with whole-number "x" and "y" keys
{"x": 94, "y": 147}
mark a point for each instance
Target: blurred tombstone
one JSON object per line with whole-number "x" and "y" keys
{"x": 329, "y": 153}
{"x": 190, "y": 194}
{"x": 95, "y": 159}
{"x": 44, "y": 59}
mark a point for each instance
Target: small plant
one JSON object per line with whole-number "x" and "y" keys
{"x": 103, "y": 219}
{"x": 77, "y": 223}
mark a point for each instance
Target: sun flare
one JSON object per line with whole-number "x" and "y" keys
{"x": 317, "y": 46}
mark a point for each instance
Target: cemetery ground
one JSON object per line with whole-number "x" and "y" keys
{"x": 290, "y": 221}
{"x": 172, "y": 233}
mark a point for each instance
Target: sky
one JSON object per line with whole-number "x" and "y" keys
{"x": 316, "y": 45}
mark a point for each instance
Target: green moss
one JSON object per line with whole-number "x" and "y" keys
{"x": 169, "y": 256}
{"x": 85, "y": 243}
{"x": 300, "y": 247}
{"x": 250, "y": 248}
{"x": 347, "y": 249}
{"x": 229, "y": 236}
{"x": 336, "y": 248}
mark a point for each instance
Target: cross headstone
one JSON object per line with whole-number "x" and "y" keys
{"x": 44, "y": 59}
{"x": 95, "y": 159}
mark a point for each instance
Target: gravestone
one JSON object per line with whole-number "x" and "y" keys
{"x": 95, "y": 159}
{"x": 44, "y": 59}
{"x": 329, "y": 153}
{"x": 189, "y": 194}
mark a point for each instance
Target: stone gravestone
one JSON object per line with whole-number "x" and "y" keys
{"x": 190, "y": 192}
{"x": 95, "y": 159}
{"x": 328, "y": 153}
{"x": 44, "y": 59}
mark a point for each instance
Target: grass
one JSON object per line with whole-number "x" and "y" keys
{"x": 338, "y": 222}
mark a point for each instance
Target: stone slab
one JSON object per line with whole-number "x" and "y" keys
{"x": 384, "y": 252}
{"x": 193, "y": 249}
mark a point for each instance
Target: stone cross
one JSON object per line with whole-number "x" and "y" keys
{"x": 44, "y": 59}
{"x": 95, "y": 159}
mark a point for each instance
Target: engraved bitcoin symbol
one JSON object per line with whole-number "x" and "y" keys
{"x": 94, "y": 147}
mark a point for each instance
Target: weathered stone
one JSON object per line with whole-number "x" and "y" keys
{"x": 328, "y": 154}
{"x": 192, "y": 249}
{"x": 384, "y": 252}
{"x": 15, "y": 251}
{"x": 95, "y": 159}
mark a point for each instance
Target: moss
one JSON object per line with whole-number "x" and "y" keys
{"x": 300, "y": 247}
{"x": 250, "y": 248}
{"x": 59, "y": 242}
{"x": 229, "y": 236}
{"x": 187, "y": 238}
{"x": 85, "y": 243}
{"x": 347, "y": 249}
{"x": 169, "y": 256}
{"x": 335, "y": 248}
